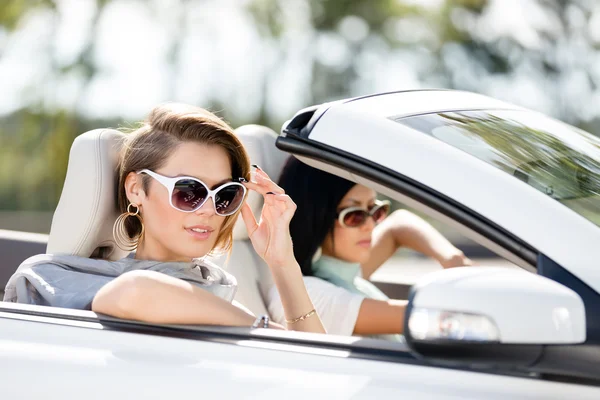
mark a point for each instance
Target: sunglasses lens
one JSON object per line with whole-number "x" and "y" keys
{"x": 380, "y": 214}
{"x": 229, "y": 199}
{"x": 188, "y": 194}
{"x": 355, "y": 218}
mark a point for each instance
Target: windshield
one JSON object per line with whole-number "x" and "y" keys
{"x": 557, "y": 159}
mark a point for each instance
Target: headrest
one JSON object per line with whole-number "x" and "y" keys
{"x": 259, "y": 142}
{"x": 87, "y": 209}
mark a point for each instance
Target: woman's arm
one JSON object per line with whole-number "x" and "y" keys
{"x": 271, "y": 239}
{"x": 380, "y": 317}
{"x": 405, "y": 229}
{"x": 295, "y": 299}
{"x": 158, "y": 298}
{"x": 346, "y": 313}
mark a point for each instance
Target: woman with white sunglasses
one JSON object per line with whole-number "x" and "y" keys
{"x": 183, "y": 179}
{"x": 341, "y": 236}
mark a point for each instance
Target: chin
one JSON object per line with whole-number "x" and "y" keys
{"x": 195, "y": 249}
{"x": 197, "y": 253}
{"x": 190, "y": 250}
{"x": 361, "y": 255}
{"x": 354, "y": 258}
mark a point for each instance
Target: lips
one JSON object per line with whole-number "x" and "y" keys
{"x": 364, "y": 243}
{"x": 200, "y": 232}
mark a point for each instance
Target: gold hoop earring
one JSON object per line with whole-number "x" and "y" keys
{"x": 122, "y": 239}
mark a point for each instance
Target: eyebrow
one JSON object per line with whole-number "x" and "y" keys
{"x": 357, "y": 202}
{"x": 353, "y": 201}
{"x": 221, "y": 182}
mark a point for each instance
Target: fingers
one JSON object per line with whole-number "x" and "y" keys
{"x": 249, "y": 219}
{"x": 274, "y": 196}
{"x": 261, "y": 189}
{"x": 282, "y": 198}
{"x": 263, "y": 180}
{"x": 283, "y": 202}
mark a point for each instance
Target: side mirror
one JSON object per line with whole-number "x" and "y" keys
{"x": 491, "y": 314}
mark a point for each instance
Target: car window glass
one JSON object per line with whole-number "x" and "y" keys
{"x": 558, "y": 160}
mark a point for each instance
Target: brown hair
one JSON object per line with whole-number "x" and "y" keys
{"x": 154, "y": 141}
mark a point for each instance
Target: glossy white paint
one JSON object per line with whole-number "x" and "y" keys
{"x": 526, "y": 308}
{"x": 545, "y": 224}
{"x": 404, "y": 104}
{"x": 49, "y": 361}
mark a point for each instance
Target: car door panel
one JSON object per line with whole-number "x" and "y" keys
{"x": 42, "y": 360}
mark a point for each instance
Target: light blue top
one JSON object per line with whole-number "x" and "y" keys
{"x": 347, "y": 275}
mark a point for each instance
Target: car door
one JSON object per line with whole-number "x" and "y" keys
{"x": 66, "y": 354}
{"x": 492, "y": 170}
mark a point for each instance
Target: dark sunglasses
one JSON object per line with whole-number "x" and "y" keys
{"x": 188, "y": 194}
{"x": 353, "y": 217}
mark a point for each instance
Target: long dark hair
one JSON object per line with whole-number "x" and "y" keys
{"x": 317, "y": 195}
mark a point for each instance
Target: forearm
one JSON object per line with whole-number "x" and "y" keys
{"x": 413, "y": 232}
{"x": 380, "y": 317}
{"x": 271, "y": 240}
{"x": 383, "y": 246}
{"x": 158, "y": 298}
{"x": 294, "y": 298}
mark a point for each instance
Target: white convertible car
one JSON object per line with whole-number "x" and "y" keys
{"x": 523, "y": 185}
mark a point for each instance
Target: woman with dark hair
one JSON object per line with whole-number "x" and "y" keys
{"x": 341, "y": 236}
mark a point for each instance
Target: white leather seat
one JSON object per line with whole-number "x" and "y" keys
{"x": 83, "y": 220}
{"x": 87, "y": 209}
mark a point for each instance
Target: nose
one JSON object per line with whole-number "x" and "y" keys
{"x": 369, "y": 225}
{"x": 207, "y": 209}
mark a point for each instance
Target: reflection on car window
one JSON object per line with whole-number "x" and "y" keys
{"x": 560, "y": 161}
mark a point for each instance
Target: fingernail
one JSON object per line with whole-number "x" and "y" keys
{"x": 242, "y": 179}
{"x": 270, "y": 193}
{"x": 256, "y": 166}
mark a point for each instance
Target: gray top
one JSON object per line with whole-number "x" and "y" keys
{"x": 72, "y": 281}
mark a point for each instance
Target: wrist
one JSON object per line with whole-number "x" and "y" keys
{"x": 284, "y": 262}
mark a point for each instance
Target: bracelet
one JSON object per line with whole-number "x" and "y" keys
{"x": 302, "y": 317}
{"x": 264, "y": 319}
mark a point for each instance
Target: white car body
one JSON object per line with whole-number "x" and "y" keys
{"x": 66, "y": 354}
{"x": 53, "y": 360}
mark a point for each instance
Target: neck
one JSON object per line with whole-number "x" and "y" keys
{"x": 147, "y": 250}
